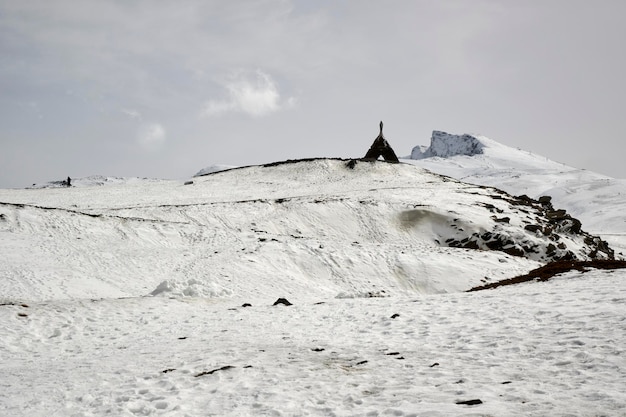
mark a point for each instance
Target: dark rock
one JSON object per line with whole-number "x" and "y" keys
{"x": 470, "y": 402}
{"x": 494, "y": 245}
{"x": 472, "y": 245}
{"x": 361, "y": 363}
{"x": 351, "y": 163}
{"x": 223, "y": 368}
{"x": 188, "y": 182}
{"x": 524, "y": 200}
{"x": 556, "y": 214}
{"x": 318, "y": 349}
{"x": 434, "y": 364}
{"x": 545, "y": 200}
{"x": 548, "y": 271}
{"x": 502, "y": 220}
{"x": 246, "y": 305}
{"x": 282, "y": 301}
{"x": 395, "y": 316}
{"x": 532, "y": 227}
{"x": 168, "y": 370}
{"x": 513, "y": 251}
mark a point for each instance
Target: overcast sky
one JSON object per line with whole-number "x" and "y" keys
{"x": 165, "y": 88}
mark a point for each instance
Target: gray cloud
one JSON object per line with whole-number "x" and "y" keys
{"x": 542, "y": 76}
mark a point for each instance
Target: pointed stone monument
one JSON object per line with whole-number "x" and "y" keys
{"x": 379, "y": 148}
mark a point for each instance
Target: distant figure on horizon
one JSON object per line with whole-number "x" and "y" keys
{"x": 68, "y": 182}
{"x": 381, "y": 147}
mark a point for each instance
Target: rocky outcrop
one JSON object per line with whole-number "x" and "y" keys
{"x": 551, "y": 233}
{"x": 444, "y": 145}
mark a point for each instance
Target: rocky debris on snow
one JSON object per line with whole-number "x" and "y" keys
{"x": 550, "y": 229}
{"x": 282, "y": 301}
{"x": 223, "y": 368}
{"x": 10, "y": 303}
{"x": 550, "y": 270}
{"x": 379, "y": 148}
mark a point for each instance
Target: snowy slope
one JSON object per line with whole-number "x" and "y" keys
{"x": 597, "y": 200}
{"x": 537, "y": 349}
{"x": 311, "y": 226}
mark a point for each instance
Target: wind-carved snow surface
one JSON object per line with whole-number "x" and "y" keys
{"x": 128, "y": 300}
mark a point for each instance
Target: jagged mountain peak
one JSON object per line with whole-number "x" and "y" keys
{"x": 445, "y": 145}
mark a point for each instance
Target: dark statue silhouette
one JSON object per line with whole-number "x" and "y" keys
{"x": 379, "y": 148}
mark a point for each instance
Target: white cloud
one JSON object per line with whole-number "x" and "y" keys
{"x": 255, "y": 94}
{"x": 133, "y": 114}
{"x": 151, "y": 136}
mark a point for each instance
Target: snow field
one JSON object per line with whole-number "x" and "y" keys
{"x": 126, "y": 299}
{"x": 535, "y": 349}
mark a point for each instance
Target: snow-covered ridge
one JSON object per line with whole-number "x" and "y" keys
{"x": 213, "y": 168}
{"x": 322, "y": 226}
{"x": 93, "y": 181}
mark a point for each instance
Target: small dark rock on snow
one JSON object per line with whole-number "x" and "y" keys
{"x": 470, "y": 402}
{"x": 282, "y": 301}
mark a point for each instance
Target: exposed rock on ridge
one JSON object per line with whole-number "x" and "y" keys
{"x": 444, "y": 145}
{"x": 550, "y": 229}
